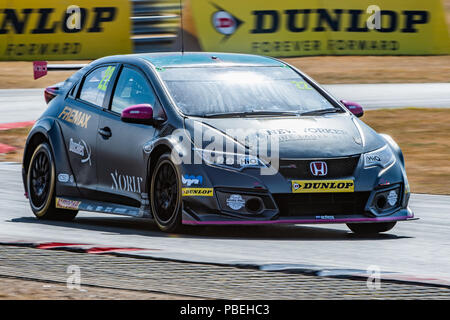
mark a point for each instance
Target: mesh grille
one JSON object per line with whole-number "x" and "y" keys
{"x": 310, "y": 204}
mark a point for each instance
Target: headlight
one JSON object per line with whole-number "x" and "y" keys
{"x": 382, "y": 157}
{"x": 230, "y": 160}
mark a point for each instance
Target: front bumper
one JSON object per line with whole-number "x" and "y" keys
{"x": 227, "y": 204}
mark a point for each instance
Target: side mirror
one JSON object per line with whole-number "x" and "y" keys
{"x": 140, "y": 113}
{"x": 354, "y": 108}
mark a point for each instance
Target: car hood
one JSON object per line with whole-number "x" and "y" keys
{"x": 328, "y": 136}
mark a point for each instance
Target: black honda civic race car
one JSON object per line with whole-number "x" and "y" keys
{"x": 209, "y": 139}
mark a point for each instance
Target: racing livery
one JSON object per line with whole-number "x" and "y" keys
{"x": 210, "y": 139}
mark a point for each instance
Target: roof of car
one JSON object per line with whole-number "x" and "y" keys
{"x": 192, "y": 59}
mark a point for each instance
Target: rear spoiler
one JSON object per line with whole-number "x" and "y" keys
{"x": 40, "y": 68}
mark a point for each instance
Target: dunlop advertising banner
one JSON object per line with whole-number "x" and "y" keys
{"x": 321, "y": 27}
{"x": 61, "y": 30}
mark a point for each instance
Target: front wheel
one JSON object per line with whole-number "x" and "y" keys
{"x": 370, "y": 228}
{"x": 41, "y": 186}
{"x": 165, "y": 195}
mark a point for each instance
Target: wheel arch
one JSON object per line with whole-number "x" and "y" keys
{"x": 37, "y": 135}
{"x": 46, "y": 130}
{"x": 156, "y": 153}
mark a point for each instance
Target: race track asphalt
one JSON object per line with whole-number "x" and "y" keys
{"x": 17, "y": 105}
{"x": 418, "y": 248}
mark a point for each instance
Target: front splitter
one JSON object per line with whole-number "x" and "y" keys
{"x": 402, "y": 215}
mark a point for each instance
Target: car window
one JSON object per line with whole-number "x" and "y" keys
{"x": 95, "y": 85}
{"x": 201, "y": 91}
{"x": 132, "y": 89}
{"x": 72, "y": 91}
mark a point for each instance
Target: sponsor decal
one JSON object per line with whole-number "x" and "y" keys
{"x": 392, "y": 198}
{"x": 63, "y": 177}
{"x": 90, "y": 208}
{"x": 82, "y": 149}
{"x": 75, "y": 116}
{"x": 225, "y": 23}
{"x": 67, "y": 204}
{"x": 56, "y": 30}
{"x": 318, "y": 168}
{"x": 235, "y": 202}
{"x": 325, "y": 131}
{"x": 120, "y": 210}
{"x": 103, "y": 85}
{"x": 325, "y": 217}
{"x": 249, "y": 161}
{"x": 314, "y": 27}
{"x": 285, "y": 135}
{"x": 289, "y": 166}
{"x": 190, "y": 180}
{"x": 372, "y": 159}
{"x": 99, "y": 208}
{"x": 201, "y": 192}
{"x": 313, "y": 186}
{"x": 126, "y": 183}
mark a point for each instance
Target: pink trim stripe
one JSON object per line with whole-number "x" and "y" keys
{"x": 295, "y": 221}
{"x": 97, "y": 250}
{"x": 15, "y": 125}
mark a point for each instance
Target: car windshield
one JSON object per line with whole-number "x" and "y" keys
{"x": 226, "y": 91}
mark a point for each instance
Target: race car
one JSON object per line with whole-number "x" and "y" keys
{"x": 209, "y": 139}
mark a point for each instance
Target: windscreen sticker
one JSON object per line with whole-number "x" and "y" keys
{"x": 302, "y": 85}
{"x": 106, "y": 77}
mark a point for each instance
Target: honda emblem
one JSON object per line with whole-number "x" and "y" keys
{"x": 318, "y": 168}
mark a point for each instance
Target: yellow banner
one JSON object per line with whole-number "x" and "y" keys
{"x": 321, "y": 27}
{"x": 62, "y": 29}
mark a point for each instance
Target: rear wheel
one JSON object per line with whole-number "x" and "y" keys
{"x": 165, "y": 195}
{"x": 370, "y": 228}
{"x": 41, "y": 186}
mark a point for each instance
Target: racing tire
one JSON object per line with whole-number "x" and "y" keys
{"x": 370, "y": 228}
{"x": 165, "y": 195}
{"x": 41, "y": 186}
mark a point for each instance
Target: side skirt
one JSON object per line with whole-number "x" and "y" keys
{"x": 70, "y": 203}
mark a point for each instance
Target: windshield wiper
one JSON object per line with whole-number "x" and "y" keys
{"x": 250, "y": 113}
{"x": 321, "y": 111}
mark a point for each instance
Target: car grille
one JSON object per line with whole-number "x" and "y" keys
{"x": 299, "y": 169}
{"x": 311, "y": 204}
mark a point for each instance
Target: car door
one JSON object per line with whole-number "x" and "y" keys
{"x": 122, "y": 162}
{"x": 79, "y": 120}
